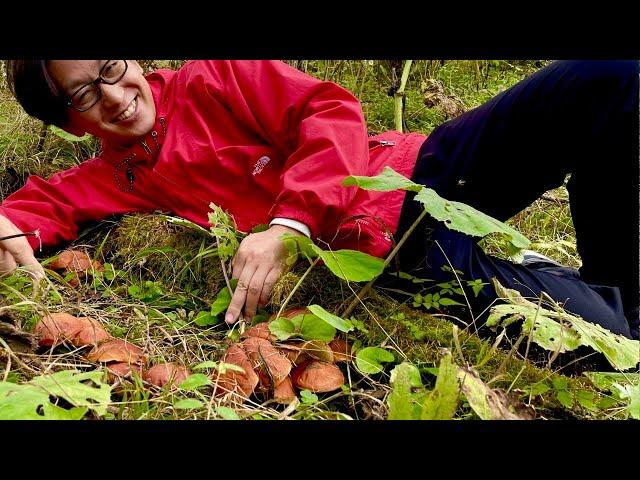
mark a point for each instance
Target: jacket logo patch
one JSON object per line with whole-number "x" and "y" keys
{"x": 260, "y": 164}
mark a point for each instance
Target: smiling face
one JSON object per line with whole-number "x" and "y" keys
{"x": 125, "y": 111}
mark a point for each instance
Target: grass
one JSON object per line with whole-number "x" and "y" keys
{"x": 165, "y": 275}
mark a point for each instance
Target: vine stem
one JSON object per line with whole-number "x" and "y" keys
{"x": 296, "y": 286}
{"x": 399, "y": 95}
{"x": 360, "y": 295}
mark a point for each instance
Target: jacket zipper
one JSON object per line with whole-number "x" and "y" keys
{"x": 382, "y": 143}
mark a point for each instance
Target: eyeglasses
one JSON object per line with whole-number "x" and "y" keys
{"x": 89, "y": 94}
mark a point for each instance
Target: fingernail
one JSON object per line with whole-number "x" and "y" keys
{"x": 228, "y": 318}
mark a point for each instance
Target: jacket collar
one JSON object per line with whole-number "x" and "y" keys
{"x": 146, "y": 149}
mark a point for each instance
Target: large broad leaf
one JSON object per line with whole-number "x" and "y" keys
{"x": 547, "y": 332}
{"x": 222, "y": 301}
{"x": 31, "y": 401}
{"x": 386, "y": 181}
{"x": 312, "y": 327}
{"x": 331, "y": 319}
{"x": 298, "y": 244}
{"x": 550, "y": 332}
{"x": 463, "y": 218}
{"x": 407, "y": 393}
{"x": 442, "y": 402}
{"x": 369, "y": 360}
{"x": 625, "y": 387}
{"x": 282, "y": 328}
{"x": 488, "y": 404}
{"x": 351, "y": 264}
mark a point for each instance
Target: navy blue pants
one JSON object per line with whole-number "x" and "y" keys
{"x": 571, "y": 117}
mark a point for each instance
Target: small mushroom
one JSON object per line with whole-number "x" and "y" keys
{"x": 75, "y": 261}
{"x": 116, "y": 350}
{"x": 260, "y": 330}
{"x": 341, "y": 350}
{"x": 284, "y": 393}
{"x": 317, "y": 376}
{"x": 242, "y": 383}
{"x": 164, "y": 373}
{"x": 116, "y": 370}
{"x": 57, "y": 328}
{"x": 266, "y": 358}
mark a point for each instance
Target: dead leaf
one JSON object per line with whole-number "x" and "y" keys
{"x": 242, "y": 383}
{"x": 267, "y": 359}
{"x": 164, "y": 373}
{"x": 117, "y": 350}
{"x": 284, "y": 393}
{"x": 317, "y": 376}
{"x": 318, "y": 350}
{"x": 488, "y": 403}
{"x": 341, "y": 350}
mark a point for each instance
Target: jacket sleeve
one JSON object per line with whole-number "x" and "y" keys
{"x": 59, "y": 206}
{"x": 319, "y": 125}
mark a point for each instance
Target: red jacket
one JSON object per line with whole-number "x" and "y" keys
{"x": 258, "y": 138}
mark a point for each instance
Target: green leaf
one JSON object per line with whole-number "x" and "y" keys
{"x": 69, "y": 384}
{"x": 204, "y": 319}
{"x": 226, "y": 413}
{"x": 312, "y": 327}
{"x": 369, "y": 360}
{"x": 565, "y": 398}
{"x": 351, "y": 264}
{"x": 489, "y": 404}
{"x": 188, "y": 404}
{"x": 634, "y": 403}
{"x": 206, "y": 364}
{"x": 337, "y": 322}
{"x": 298, "y": 244}
{"x": 606, "y": 380}
{"x": 550, "y": 331}
{"x": 463, "y": 218}
{"x": 448, "y": 301}
{"x": 441, "y": 403}
{"x": 23, "y": 402}
{"x": 222, "y": 301}
{"x": 195, "y": 381}
{"x": 307, "y": 397}
{"x": 407, "y": 393}
{"x": 224, "y": 367}
{"x": 385, "y": 181}
{"x": 68, "y": 136}
{"x": 283, "y": 328}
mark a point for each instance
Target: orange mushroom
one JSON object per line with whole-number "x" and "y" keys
{"x": 317, "y": 376}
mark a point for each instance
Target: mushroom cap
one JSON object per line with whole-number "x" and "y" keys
{"x": 341, "y": 350}
{"x": 75, "y": 261}
{"x": 57, "y": 328}
{"x": 242, "y": 383}
{"x": 116, "y": 350}
{"x": 164, "y": 373}
{"x": 260, "y": 330}
{"x": 115, "y": 370}
{"x": 266, "y": 358}
{"x": 317, "y": 376}
{"x": 284, "y": 393}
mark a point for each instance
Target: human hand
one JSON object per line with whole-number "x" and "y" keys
{"x": 259, "y": 262}
{"x": 16, "y": 251}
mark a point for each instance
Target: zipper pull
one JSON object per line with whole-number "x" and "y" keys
{"x": 146, "y": 147}
{"x": 154, "y": 135}
{"x": 387, "y": 143}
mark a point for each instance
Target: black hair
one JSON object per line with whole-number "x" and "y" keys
{"x": 33, "y": 87}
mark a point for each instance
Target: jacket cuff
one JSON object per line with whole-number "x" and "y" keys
{"x": 295, "y": 224}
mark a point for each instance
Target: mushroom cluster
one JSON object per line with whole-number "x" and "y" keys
{"x": 119, "y": 356}
{"x": 276, "y": 369}
{"x": 76, "y": 262}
